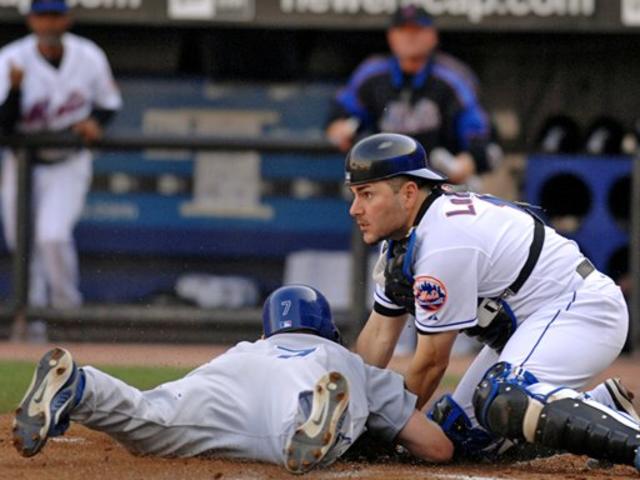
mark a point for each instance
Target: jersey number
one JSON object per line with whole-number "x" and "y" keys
{"x": 286, "y": 306}
{"x": 464, "y": 199}
{"x": 468, "y": 209}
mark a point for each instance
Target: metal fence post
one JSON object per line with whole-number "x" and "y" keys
{"x": 22, "y": 248}
{"x": 359, "y": 270}
{"x": 634, "y": 256}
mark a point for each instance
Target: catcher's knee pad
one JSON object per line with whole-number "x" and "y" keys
{"x": 456, "y": 425}
{"x": 501, "y": 400}
{"x": 586, "y": 427}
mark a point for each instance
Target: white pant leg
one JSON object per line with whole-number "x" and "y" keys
{"x": 60, "y": 269}
{"x": 151, "y": 422}
{"x": 9, "y": 187}
{"x": 60, "y": 192}
{"x": 463, "y": 393}
{"x": 575, "y": 338}
{"x": 210, "y": 411}
{"x": 38, "y": 293}
{"x": 561, "y": 346}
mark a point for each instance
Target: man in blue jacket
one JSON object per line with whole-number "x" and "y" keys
{"x": 420, "y": 92}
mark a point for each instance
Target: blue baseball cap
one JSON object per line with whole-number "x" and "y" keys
{"x": 411, "y": 14}
{"x": 49, "y": 6}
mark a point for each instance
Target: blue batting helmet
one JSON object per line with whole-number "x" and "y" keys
{"x": 298, "y": 308}
{"x": 387, "y": 155}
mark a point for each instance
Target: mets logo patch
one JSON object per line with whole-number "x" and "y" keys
{"x": 430, "y": 293}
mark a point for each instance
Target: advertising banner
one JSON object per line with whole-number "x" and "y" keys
{"x": 478, "y": 15}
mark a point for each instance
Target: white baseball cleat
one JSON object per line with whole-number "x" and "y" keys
{"x": 622, "y": 397}
{"x": 311, "y": 441}
{"x": 55, "y": 389}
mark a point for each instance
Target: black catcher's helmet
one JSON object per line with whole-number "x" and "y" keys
{"x": 387, "y": 155}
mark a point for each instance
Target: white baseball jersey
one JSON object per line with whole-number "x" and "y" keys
{"x": 471, "y": 246}
{"x": 244, "y": 403}
{"x": 54, "y": 99}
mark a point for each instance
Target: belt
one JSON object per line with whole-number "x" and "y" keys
{"x": 585, "y": 268}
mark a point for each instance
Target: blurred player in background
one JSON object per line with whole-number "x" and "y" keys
{"x": 53, "y": 81}
{"x": 420, "y": 92}
{"x": 297, "y": 398}
{"x": 465, "y": 262}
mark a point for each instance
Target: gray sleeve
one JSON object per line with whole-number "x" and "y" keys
{"x": 390, "y": 404}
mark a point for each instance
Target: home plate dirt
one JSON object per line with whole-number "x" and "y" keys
{"x": 83, "y": 454}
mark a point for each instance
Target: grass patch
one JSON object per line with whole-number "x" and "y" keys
{"x": 449, "y": 382}
{"x": 15, "y": 377}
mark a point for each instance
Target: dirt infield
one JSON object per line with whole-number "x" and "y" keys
{"x": 83, "y": 454}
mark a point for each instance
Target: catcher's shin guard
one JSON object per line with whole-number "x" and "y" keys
{"x": 562, "y": 420}
{"x": 585, "y": 427}
{"x": 501, "y": 400}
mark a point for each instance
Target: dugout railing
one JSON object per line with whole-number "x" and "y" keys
{"x": 143, "y": 318}
{"x": 139, "y": 321}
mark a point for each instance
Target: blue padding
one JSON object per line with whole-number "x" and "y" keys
{"x": 135, "y": 163}
{"x": 297, "y": 105}
{"x": 211, "y": 243}
{"x": 468, "y": 441}
{"x": 149, "y": 210}
{"x": 500, "y": 374}
{"x": 407, "y": 264}
{"x": 509, "y": 311}
{"x": 312, "y": 167}
{"x": 599, "y": 236}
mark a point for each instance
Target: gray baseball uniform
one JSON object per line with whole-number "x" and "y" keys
{"x": 246, "y": 402}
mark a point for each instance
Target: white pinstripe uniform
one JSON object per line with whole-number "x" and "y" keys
{"x": 53, "y": 100}
{"x": 471, "y": 246}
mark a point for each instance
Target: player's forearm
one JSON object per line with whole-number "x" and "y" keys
{"x": 378, "y": 338}
{"x": 373, "y": 349}
{"x": 424, "y": 381}
{"x": 425, "y": 440}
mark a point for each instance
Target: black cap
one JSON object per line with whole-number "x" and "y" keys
{"x": 411, "y": 14}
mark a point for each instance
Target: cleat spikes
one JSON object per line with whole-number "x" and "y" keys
{"x": 57, "y": 354}
{"x": 310, "y": 444}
